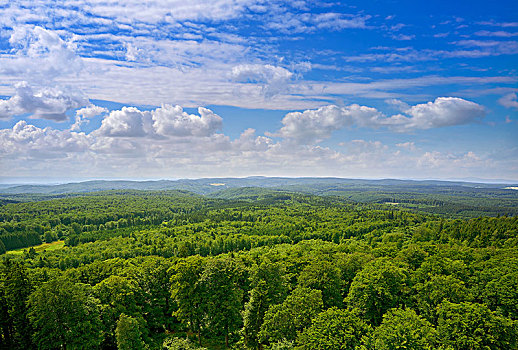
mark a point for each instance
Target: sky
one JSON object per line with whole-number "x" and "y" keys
{"x": 166, "y": 89}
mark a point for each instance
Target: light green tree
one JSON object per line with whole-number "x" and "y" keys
{"x": 128, "y": 334}
{"x": 189, "y": 293}
{"x": 224, "y": 296}
{"x": 324, "y": 276}
{"x": 380, "y": 286}
{"x": 268, "y": 288}
{"x": 473, "y": 326}
{"x": 284, "y": 321}
{"x": 403, "y": 329}
{"x": 334, "y": 329}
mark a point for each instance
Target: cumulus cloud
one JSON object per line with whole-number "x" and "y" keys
{"x": 436, "y": 159}
{"x": 174, "y": 121}
{"x": 46, "y": 103}
{"x": 509, "y": 100}
{"x": 249, "y": 142}
{"x": 314, "y": 125}
{"x": 167, "y": 121}
{"x": 25, "y": 140}
{"x": 273, "y": 79}
{"x": 26, "y": 148}
{"x": 83, "y": 114}
{"x": 444, "y": 111}
{"x": 127, "y": 122}
{"x": 90, "y": 111}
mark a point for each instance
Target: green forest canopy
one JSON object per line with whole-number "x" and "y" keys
{"x": 257, "y": 269}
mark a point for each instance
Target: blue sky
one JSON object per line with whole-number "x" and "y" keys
{"x": 175, "y": 89}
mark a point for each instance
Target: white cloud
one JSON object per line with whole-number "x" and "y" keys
{"x": 26, "y": 149}
{"x": 290, "y": 22}
{"x": 509, "y": 100}
{"x": 311, "y": 126}
{"x": 192, "y": 72}
{"x": 398, "y": 104}
{"x": 166, "y": 121}
{"x": 402, "y": 37}
{"x": 84, "y": 113}
{"x": 499, "y": 24}
{"x": 91, "y": 111}
{"x": 435, "y": 159}
{"x": 466, "y": 49}
{"x": 127, "y": 122}
{"x": 25, "y": 140}
{"x": 500, "y": 33}
{"x": 444, "y": 111}
{"x": 406, "y": 145}
{"x": 47, "y": 103}
{"x": 173, "y": 121}
{"x": 273, "y": 79}
{"x": 125, "y": 12}
{"x": 39, "y": 54}
{"x": 338, "y": 21}
{"x": 249, "y": 142}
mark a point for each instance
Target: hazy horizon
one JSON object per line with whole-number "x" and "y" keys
{"x": 43, "y": 181}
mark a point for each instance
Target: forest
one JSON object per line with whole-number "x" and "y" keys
{"x": 256, "y": 268}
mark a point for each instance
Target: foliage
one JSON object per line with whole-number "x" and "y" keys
{"x": 474, "y": 326}
{"x": 64, "y": 314}
{"x": 284, "y": 321}
{"x": 128, "y": 334}
{"x": 180, "y": 344}
{"x": 334, "y": 329}
{"x": 381, "y": 285}
{"x": 256, "y": 269}
{"x": 324, "y": 276}
{"x": 403, "y": 329}
{"x": 224, "y": 295}
{"x": 14, "y": 292}
{"x": 268, "y": 288}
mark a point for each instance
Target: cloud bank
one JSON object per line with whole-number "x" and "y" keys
{"x": 311, "y": 126}
{"x": 168, "y": 140}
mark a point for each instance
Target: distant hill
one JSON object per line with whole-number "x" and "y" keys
{"x": 452, "y": 198}
{"x": 206, "y": 186}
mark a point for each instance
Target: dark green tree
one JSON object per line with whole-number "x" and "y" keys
{"x": 153, "y": 280}
{"x": 64, "y": 315}
{"x": 16, "y": 288}
{"x": 119, "y": 295}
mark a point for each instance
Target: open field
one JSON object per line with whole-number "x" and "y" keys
{"x": 39, "y": 248}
